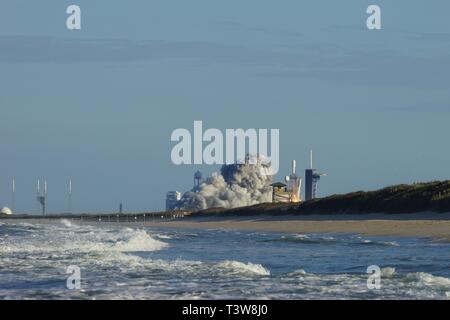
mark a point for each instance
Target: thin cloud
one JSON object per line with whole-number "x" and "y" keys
{"x": 311, "y": 60}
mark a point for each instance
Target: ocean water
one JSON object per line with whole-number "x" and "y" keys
{"x": 136, "y": 262}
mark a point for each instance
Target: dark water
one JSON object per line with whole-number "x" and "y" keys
{"x": 147, "y": 263}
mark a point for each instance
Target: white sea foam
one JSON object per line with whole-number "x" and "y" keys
{"x": 139, "y": 241}
{"x": 387, "y": 272}
{"x": 429, "y": 279}
{"x": 105, "y": 253}
{"x": 297, "y": 273}
{"x": 380, "y": 243}
{"x": 86, "y": 239}
{"x": 300, "y": 236}
{"x": 66, "y": 223}
{"x": 163, "y": 236}
{"x": 245, "y": 268}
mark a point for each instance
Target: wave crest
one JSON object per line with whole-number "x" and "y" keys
{"x": 139, "y": 241}
{"x": 429, "y": 279}
{"x": 387, "y": 272}
{"x": 83, "y": 239}
{"x": 243, "y": 268}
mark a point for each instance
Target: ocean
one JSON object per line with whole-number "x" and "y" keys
{"x": 118, "y": 261}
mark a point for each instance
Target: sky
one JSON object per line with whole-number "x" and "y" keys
{"x": 98, "y": 105}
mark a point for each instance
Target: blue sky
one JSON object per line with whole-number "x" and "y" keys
{"x": 99, "y": 104}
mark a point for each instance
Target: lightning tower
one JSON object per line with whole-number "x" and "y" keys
{"x": 13, "y": 195}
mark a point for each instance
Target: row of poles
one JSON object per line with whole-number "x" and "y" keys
{"x": 41, "y": 196}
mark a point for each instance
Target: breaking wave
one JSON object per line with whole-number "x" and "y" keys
{"x": 387, "y": 272}
{"x": 86, "y": 239}
{"x": 297, "y": 273}
{"x": 66, "y": 223}
{"x": 429, "y": 279}
{"x": 379, "y": 243}
{"x": 243, "y": 268}
{"x": 138, "y": 241}
{"x": 131, "y": 263}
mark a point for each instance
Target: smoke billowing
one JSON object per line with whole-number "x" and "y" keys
{"x": 237, "y": 185}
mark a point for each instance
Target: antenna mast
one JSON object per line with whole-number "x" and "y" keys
{"x": 42, "y": 198}
{"x": 13, "y": 200}
{"x": 69, "y": 205}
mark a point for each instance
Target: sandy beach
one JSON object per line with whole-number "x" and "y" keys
{"x": 406, "y": 225}
{"x": 430, "y": 225}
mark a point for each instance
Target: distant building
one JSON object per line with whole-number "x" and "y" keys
{"x": 172, "y": 199}
{"x": 280, "y": 193}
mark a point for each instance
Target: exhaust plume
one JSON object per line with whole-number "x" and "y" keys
{"x": 237, "y": 185}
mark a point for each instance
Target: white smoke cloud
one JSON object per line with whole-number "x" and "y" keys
{"x": 237, "y": 185}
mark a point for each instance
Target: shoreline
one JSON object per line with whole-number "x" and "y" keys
{"x": 437, "y": 227}
{"x": 421, "y": 225}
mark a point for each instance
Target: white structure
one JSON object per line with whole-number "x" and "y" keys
{"x": 5, "y": 211}
{"x": 294, "y": 184}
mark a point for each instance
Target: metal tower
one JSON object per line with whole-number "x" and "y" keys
{"x": 69, "y": 200}
{"x": 312, "y": 178}
{"x": 42, "y": 197}
{"x": 197, "y": 180}
{"x": 13, "y": 195}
